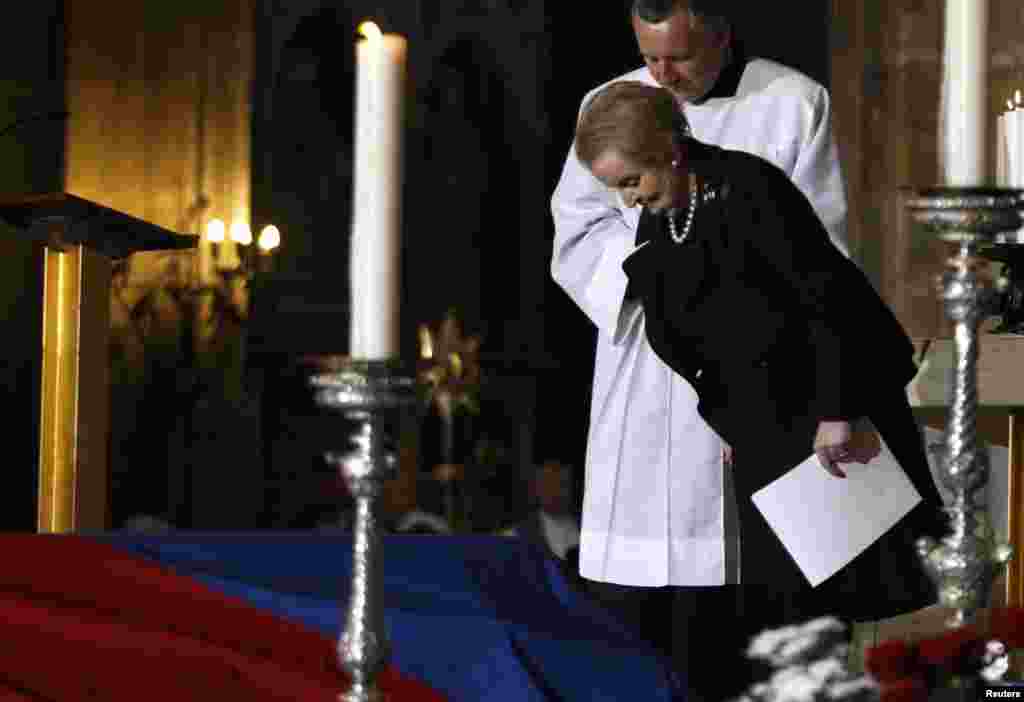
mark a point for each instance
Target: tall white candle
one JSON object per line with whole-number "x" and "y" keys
{"x": 1002, "y": 151}
{"x": 375, "y": 254}
{"x": 966, "y": 92}
{"x": 1015, "y": 142}
{"x": 1015, "y": 147}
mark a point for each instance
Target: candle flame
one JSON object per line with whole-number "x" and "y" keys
{"x": 1016, "y": 96}
{"x": 215, "y": 231}
{"x": 1009, "y": 105}
{"x": 240, "y": 233}
{"x": 370, "y": 30}
{"x": 426, "y": 342}
{"x": 270, "y": 238}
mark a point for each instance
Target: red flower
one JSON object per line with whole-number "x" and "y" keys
{"x": 948, "y": 648}
{"x": 1008, "y": 626}
{"x": 891, "y": 660}
{"x": 902, "y": 669}
{"x": 909, "y": 689}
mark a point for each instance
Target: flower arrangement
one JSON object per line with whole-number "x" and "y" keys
{"x": 907, "y": 672}
{"x": 810, "y": 665}
{"x": 450, "y": 366}
{"x": 810, "y": 662}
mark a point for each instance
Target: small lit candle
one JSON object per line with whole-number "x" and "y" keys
{"x": 966, "y": 82}
{"x": 375, "y": 262}
{"x": 268, "y": 240}
{"x": 1015, "y": 142}
{"x": 215, "y": 234}
{"x": 241, "y": 234}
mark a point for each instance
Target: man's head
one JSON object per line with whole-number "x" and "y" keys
{"x": 551, "y": 487}
{"x": 685, "y": 43}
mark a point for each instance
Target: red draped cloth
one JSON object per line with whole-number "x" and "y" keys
{"x": 80, "y": 620}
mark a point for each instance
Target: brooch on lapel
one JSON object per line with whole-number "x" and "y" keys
{"x": 715, "y": 192}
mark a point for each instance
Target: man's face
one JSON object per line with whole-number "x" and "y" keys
{"x": 682, "y": 54}
{"x": 553, "y": 488}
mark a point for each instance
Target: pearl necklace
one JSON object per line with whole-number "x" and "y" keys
{"x": 673, "y": 232}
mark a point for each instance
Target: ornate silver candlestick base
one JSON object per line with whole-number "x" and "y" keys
{"x": 965, "y": 563}
{"x": 376, "y": 395}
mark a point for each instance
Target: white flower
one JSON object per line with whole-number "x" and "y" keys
{"x": 994, "y": 649}
{"x": 996, "y": 661}
{"x": 794, "y": 685}
{"x": 791, "y": 644}
{"x": 795, "y": 649}
{"x": 810, "y": 665}
{"x": 826, "y": 669}
{"x": 765, "y": 643}
{"x": 863, "y": 687}
{"x": 995, "y": 671}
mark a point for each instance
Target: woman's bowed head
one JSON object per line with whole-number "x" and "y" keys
{"x": 634, "y": 139}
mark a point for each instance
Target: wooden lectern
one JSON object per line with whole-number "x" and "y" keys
{"x": 81, "y": 240}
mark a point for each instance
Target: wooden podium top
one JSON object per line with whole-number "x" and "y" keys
{"x": 65, "y": 218}
{"x": 1000, "y": 372}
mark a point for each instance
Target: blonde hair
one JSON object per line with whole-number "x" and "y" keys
{"x": 635, "y": 120}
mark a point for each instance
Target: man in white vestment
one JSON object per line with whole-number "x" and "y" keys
{"x": 656, "y": 507}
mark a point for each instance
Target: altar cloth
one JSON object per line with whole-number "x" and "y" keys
{"x": 474, "y": 617}
{"x": 83, "y": 620}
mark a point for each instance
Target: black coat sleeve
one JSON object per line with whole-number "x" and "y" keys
{"x": 786, "y": 234}
{"x": 645, "y": 270}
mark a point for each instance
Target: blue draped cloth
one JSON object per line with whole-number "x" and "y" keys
{"x": 475, "y": 617}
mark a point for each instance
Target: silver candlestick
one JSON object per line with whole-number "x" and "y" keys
{"x": 377, "y": 396}
{"x": 966, "y": 562}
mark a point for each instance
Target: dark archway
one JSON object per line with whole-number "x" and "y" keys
{"x": 302, "y": 153}
{"x": 311, "y": 145}
{"x": 464, "y": 243}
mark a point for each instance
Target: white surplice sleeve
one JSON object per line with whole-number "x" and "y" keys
{"x": 592, "y": 239}
{"x": 819, "y": 174}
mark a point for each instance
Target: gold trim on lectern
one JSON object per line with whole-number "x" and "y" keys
{"x": 74, "y": 403}
{"x": 56, "y": 445}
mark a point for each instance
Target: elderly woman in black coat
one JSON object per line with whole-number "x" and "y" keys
{"x": 788, "y": 346}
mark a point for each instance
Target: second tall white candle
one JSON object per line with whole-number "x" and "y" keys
{"x": 965, "y": 117}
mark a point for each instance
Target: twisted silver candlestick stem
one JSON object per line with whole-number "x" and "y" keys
{"x": 376, "y": 396}
{"x": 965, "y": 563}
{"x": 364, "y": 647}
